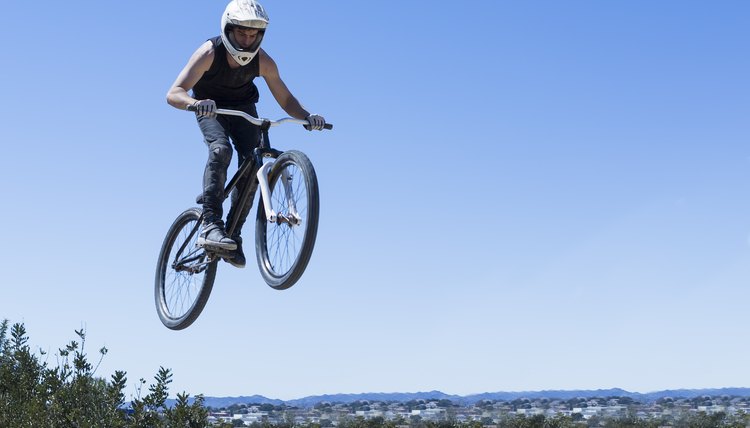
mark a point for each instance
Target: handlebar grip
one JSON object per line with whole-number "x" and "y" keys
{"x": 326, "y": 126}
{"x": 191, "y": 108}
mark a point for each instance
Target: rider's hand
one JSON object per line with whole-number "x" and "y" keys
{"x": 316, "y": 122}
{"x": 205, "y": 108}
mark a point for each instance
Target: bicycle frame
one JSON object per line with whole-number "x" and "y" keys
{"x": 264, "y": 150}
{"x": 261, "y": 175}
{"x": 193, "y": 263}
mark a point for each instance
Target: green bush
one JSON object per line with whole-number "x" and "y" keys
{"x": 33, "y": 394}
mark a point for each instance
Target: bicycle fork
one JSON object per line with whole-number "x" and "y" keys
{"x": 292, "y": 217}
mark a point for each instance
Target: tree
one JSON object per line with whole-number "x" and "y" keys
{"x": 187, "y": 415}
{"x": 20, "y": 375}
{"x": 445, "y": 403}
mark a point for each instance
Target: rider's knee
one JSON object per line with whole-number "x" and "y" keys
{"x": 220, "y": 152}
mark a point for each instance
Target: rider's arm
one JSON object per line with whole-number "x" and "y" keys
{"x": 270, "y": 72}
{"x": 198, "y": 64}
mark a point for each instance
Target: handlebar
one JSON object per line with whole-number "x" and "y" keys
{"x": 262, "y": 122}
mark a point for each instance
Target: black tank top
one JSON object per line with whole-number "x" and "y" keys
{"x": 229, "y": 87}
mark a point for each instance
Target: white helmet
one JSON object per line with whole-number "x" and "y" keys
{"x": 248, "y": 14}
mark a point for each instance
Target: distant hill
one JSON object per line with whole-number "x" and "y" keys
{"x": 401, "y": 397}
{"x": 219, "y": 402}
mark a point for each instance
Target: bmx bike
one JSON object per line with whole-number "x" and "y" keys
{"x": 285, "y": 229}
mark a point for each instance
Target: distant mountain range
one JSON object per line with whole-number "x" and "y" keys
{"x": 306, "y": 402}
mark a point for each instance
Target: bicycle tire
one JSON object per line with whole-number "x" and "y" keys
{"x": 283, "y": 250}
{"x": 181, "y": 290}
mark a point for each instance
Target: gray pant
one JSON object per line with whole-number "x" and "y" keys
{"x": 217, "y": 133}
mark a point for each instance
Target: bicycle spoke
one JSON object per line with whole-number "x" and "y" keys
{"x": 284, "y": 239}
{"x": 284, "y": 244}
{"x": 183, "y": 279}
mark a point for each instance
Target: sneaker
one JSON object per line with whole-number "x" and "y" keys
{"x": 213, "y": 236}
{"x": 236, "y": 257}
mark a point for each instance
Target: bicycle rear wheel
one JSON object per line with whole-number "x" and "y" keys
{"x": 283, "y": 247}
{"x": 185, "y": 273}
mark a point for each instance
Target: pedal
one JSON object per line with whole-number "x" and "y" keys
{"x": 214, "y": 250}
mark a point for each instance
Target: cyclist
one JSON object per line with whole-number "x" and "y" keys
{"x": 220, "y": 74}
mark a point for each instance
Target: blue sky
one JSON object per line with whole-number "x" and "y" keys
{"x": 516, "y": 196}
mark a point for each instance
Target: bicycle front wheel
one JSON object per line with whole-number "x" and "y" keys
{"x": 283, "y": 245}
{"x": 185, "y": 273}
